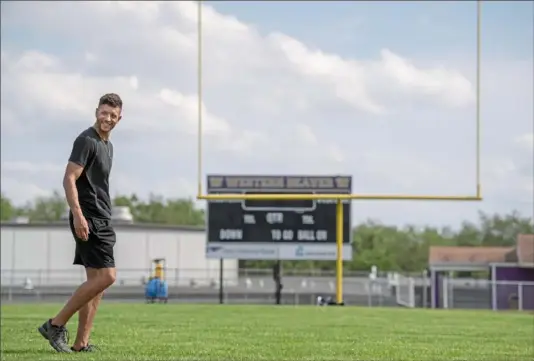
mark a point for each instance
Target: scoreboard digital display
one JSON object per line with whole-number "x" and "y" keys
{"x": 276, "y": 229}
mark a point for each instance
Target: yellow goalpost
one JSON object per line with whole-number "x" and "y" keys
{"x": 477, "y": 196}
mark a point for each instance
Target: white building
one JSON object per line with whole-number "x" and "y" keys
{"x": 44, "y": 252}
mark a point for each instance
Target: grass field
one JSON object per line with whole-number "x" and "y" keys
{"x": 214, "y": 332}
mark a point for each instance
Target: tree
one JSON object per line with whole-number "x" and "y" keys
{"x": 159, "y": 210}
{"x": 155, "y": 210}
{"x": 406, "y": 249}
{"x": 47, "y": 209}
{"x": 7, "y": 210}
{"x": 374, "y": 244}
{"x": 498, "y": 230}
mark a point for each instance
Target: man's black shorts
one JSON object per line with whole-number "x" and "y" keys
{"x": 97, "y": 251}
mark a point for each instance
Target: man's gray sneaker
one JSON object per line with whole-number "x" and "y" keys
{"x": 88, "y": 348}
{"x": 57, "y": 336}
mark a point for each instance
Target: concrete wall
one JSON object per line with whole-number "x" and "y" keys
{"x": 44, "y": 253}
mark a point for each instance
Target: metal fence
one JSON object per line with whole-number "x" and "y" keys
{"x": 125, "y": 277}
{"x": 465, "y": 293}
{"x": 249, "y": 286}
{"x": 495, "y": 295}
{"x": 295, "y": 279}
{"x": 300, "y": 287}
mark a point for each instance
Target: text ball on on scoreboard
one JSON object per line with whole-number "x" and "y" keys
{"x": 301, "y": 235}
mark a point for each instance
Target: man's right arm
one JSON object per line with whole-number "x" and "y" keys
{"x": 82, "y": 150}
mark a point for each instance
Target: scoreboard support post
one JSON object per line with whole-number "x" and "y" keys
{"x": 221, "y": 281}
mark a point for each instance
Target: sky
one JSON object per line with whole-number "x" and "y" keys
{"x": 382, "y": 91}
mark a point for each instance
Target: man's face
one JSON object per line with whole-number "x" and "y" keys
{"x": 107, "y": 117}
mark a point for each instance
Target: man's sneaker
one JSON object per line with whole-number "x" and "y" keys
{"x": 57, "y": 336}
{"x": 88, "y": 348}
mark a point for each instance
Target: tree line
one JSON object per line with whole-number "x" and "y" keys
{"x": 375, "y": 244}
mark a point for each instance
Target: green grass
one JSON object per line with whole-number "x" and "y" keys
{"x": 214, "y": 332}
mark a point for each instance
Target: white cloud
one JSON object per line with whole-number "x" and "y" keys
{"x": 188, "y": 106}
{"x": 448, "y": 85}
{"x": 306, "y": 134}
{"x": 336, "y": 154}
{"x": 90, "y": 57}
{"x": 30, "y": 168}
{"x": 271, "y": 102}
{"x": 134, "y": 82}
{"x": 21, "y": 192}
{"x": 526, "y": 140}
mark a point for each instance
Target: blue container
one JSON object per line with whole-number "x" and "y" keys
{"x": 162, "y": 291}
{"x": 157, "y": 289}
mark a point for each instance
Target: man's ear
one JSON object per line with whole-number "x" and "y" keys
{"x": 96, "y": 112}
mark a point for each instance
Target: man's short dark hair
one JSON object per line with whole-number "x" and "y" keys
{"x": 111, "y": 99}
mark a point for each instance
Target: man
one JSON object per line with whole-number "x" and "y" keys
{"x": 86, "y": 184}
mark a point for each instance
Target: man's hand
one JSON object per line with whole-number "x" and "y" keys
{"x": 81, "y": 227}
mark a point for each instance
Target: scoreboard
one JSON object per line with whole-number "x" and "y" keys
{"x": 277, "y": 229}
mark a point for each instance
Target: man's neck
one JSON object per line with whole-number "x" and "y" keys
{"x": 103, "y": 136}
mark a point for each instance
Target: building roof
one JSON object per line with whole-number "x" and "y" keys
{"x": 467, "y": 255}
{"x": 522, "y": 253}
{"x": 122, "y": 226}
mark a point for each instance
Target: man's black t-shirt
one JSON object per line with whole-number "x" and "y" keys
{"x": 96, "y": 156}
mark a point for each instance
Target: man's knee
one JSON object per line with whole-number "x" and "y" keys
{"x": 105, "y": 277}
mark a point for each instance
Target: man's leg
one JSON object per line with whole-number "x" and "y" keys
{"x": 87, "y": 314}
{"x": 84, "y": 294}
{"x": 95, "y": 253}
{"x": 54, "y": 330}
